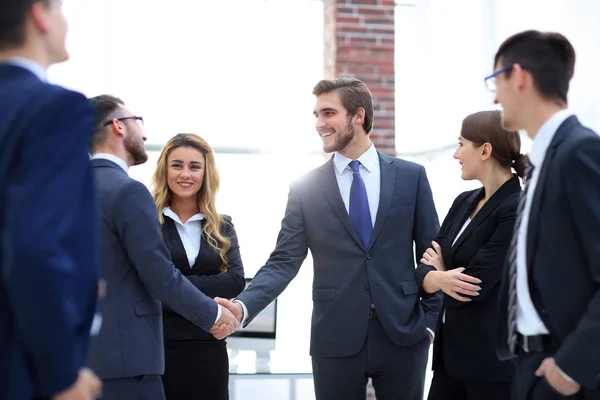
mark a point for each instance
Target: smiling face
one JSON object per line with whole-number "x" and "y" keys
{"x": 185, "y": 172}
{"x": 334, "y": 125}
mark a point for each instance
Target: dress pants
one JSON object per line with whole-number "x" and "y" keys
{"x": 444, "y": 387}
{"x": 528, "y": 386}
{"x": 143, "y": 387}
{"x": 398, "y": 373}
{"x": 196, "y": 370}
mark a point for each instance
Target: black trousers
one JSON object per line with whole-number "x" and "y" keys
{"x": 398, "y": 373}
{"x": 527, "y": 386}
{"x": 196, "y": 370}
{"x": 444, "y": 387}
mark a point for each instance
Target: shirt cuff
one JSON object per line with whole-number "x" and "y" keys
{"x": 245, "y": 314}
{"x": 567, "y": 377}
{"x": 219, "y": 312}
{"x": 432, "y": 333}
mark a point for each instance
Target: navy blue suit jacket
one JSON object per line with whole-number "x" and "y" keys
{"x": 49, "y": 247}
{"x": 139, "y": 275}
{"x": 563, "y": 253}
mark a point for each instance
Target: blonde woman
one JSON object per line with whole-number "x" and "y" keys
{"x": 204, "y": 246}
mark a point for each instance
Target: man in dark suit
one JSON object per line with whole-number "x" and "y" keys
{"x": 551, "y": 296}
{"x": 48, "y": 220}
{"x": 128, "y": 353}
{"x": 359, "y": 214}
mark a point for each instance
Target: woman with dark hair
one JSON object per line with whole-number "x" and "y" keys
{"x": 204, "y": 246}
{"x": 469, "y": 256}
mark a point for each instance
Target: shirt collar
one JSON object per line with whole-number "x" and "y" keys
{"x": 369, "y": 159}
{"x": 171, "y": 214}
{"x": 29, "y": 65}
{"x": 545, "y": 135}
{"x": 113, "y": 158}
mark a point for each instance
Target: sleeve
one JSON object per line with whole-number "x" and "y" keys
{"x": 47, "y": 288}
{"x": 489, "y": 261}
{"x": 230, "y": 283}
{"x": 579, "y": 353}
{"x": 283, "y": 264}
{"x": 425, "y": 229}
{"x": 139, "y": 229}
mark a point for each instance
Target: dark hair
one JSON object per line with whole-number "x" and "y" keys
{"x": 548, "y": 56}
{"x": 13, "y": 14}
{"x": 105, "y": 107}
{"x": 354, "y": 95}
{"x": 485, "y": 127}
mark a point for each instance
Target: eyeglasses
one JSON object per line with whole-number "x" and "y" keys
{"x": 490, "y": 81}
{"x": 139, "y": 120}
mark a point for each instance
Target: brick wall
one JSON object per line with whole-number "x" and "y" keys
{"x": 359, "y": 43}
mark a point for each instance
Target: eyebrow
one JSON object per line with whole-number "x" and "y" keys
{"x": 324, "y": 110}
{"x": 192, "y": 162}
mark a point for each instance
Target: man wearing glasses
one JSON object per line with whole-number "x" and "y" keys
{"x": 128, "y": 352}
{"x": 551, "y": 289}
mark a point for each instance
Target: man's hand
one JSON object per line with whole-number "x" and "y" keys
{"x": 433, "y": 257}
{"x": 87, "y": 387}
{"x": 430, "y": 336}
{"x": 556, "y": 379}
{"x": 231, "y": 315}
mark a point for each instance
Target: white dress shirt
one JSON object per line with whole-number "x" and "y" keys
{"x": 29, "y": 65}
{"x": 529, "y": 322}
{"x": 105, "y": 156}
{"x": 190, "y": 233}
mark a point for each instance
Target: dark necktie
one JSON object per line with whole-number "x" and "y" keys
{"x": 360, "y": 214}
{"x": 512, "y": 265}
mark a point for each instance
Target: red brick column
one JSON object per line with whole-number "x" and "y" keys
{"x": 359, "y": 43}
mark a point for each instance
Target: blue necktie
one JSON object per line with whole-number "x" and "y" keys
{"x": 360, "y": 214}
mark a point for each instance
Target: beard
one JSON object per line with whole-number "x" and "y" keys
{"x": 136, "y": 150}
{"x": 343, "y": 138}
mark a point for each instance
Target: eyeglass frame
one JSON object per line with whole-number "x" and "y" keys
{"x": 501, "y": 70}
{"x": 134, "y": 117}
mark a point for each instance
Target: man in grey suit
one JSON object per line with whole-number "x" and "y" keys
{"x": 359, "y": 214}
{"x": 128, "y": 353}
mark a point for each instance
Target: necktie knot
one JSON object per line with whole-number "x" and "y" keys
{"x": 354, "y": 165}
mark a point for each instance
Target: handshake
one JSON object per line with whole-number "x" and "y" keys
{"x": 231, "y": 317}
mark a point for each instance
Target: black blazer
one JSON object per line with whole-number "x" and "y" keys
{"x": 563, "y": 252}
{"x": 468, "y": 337}
{"x": 204, "y": 274}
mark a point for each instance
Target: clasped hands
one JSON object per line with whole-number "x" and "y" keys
{"x": 231, "y": 317}
{"x": 454, "y": 283}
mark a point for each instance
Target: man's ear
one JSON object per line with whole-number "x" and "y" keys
{"x": 359, "y": 116}
{"x": 39, "y": 16}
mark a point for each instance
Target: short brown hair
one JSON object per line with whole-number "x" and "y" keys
{"x": 354, "y": 95}
{"x": 548, "y": 56}
{"x": 13, "y": 14}
{"x": 485, "y": 127}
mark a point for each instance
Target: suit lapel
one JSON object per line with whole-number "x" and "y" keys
{"x": 332, "y": 193}
{"x": 538, "y": 195}
{"x": 470, "y": 204}
{"x": 387, "y": 186}
{"x": 173, "y": 241}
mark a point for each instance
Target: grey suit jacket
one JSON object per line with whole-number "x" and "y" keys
{"x": 344, "y": 271}
{"x": 139, "y": 274}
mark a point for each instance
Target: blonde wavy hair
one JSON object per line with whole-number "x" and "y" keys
{"x": 205, "y": 197}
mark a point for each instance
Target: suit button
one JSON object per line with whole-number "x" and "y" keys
{"x": 367, "y": 287}
{"x": 543, "y": 311}
{"x": 368, "y": 256}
